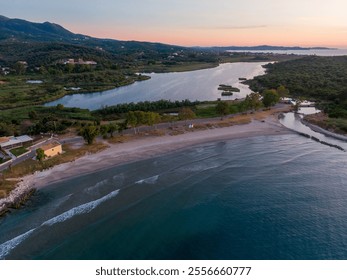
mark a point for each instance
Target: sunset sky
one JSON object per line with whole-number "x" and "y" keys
{"x": 195, "y": 22}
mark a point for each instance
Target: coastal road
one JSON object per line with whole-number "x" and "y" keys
{"x": 18, "y": 160}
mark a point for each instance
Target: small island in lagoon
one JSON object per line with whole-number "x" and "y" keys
{"x": 227, "y": 90}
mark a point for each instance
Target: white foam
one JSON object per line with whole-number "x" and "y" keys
{"x": 119, "y": 179}
{"x": 61, "y": 201}
{"x": 150, "y": 180}
{"x": 8, "y": 246}
{"x": 200, "y": 167}
{"x": 81, "y": 209}
{"x": 92, "y": 189}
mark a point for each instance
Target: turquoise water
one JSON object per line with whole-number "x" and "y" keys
{"x": 273, "y": 197}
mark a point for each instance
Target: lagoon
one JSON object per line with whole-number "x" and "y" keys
{"x": 199, "y": 85}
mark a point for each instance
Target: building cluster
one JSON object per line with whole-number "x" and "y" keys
{"x": 4, "y": 70}
{"x": 18, "y": 65}
{"x": 12, "y": 142}
{"x": 79, "y": 61}
{"x": 173, "y": 56}
{"x": 51, "y": 147}
{"x": 24, "y": 63}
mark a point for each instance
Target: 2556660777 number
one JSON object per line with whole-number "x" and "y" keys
{"x": 216, "y": 271}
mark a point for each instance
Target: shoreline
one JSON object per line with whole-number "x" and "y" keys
{"x": 326, "y": 132}
{"x": 152, "y": 146}
{"x": 132, "y": 151}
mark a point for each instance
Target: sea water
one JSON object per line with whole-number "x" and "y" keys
{"x": 268, "y": 197}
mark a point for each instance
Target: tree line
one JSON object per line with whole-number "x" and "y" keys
{"x": 57, "y": 119}
{"x": 323, "y": 79}
{"x": 145, "y": 106}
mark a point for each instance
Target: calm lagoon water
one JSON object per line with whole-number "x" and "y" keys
{"x": 194, "y": 85}
{"x": 273, "y": 197}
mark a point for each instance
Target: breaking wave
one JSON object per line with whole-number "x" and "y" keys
{"x": 82, "y": 209}
{"x": 119, "y": 178}
{"x": 92, "y": 189}
{"x": 200, "y": 167}
{"x": 150, "y": 180}
{"x": 8, "y": 246}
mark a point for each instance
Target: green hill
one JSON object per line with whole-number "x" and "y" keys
{"x": 41, "y": 43}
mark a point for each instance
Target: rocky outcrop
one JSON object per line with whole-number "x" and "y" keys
{"x": 16, "y": 198}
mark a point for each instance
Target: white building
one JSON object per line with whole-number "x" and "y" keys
{"x": 13, "y": 142}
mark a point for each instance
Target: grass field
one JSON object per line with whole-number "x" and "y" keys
{"x": 19, "y": 151}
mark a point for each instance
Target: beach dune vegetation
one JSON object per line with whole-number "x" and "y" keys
{"x": 112, "y": 128}
{"x": 186, "y": 114}
{"x": 222, "y": 109}
{"x": 270, "y": 97}
{"x": 89, "y": 133}
{"x": 253, "y": 101}
{"x": 138, "y": 118}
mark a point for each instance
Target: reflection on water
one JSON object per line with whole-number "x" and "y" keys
{"x": 308, "y": 110}
{"x": 195, "y": 85}
{"x": 293, "y": 121}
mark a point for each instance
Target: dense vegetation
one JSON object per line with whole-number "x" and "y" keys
{"x": 58, "y": 119}
{"x": 32, "y": 51}
{"x": 15, "y": 91}
{"x": 20, "y": 101}
{"x": 323, "y": 79}
{"x": 145, "y": 106}
{"x": 37, "y": 54}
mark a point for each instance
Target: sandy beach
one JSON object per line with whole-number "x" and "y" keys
{"x": 142, "y": 148}
{"x": 152, "y": 146}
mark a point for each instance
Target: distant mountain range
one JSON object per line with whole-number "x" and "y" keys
{"x": 266, "y": 48}
{"x": 46, "y": 42}
{"x": 19, "y": 30}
